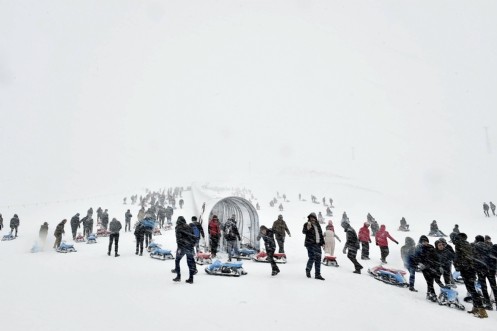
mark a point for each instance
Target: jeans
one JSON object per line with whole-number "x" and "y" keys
{"x": 314, "y": 254}
{"x": 180, "y": 252}
{"x": 114, "y": 237}
{"x": 232, "y": 245}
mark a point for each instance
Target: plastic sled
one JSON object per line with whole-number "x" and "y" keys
{"x": 330, "y": 261}
{"x": 161, "y": 254}
{"x": 389, "y": 275}
{"x": 232, "y": 269}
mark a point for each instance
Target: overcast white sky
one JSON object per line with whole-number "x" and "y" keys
{"x": 102, "y": 96}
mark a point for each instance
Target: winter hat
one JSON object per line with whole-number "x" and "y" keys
{"x": 214, "y": 217}
{"x": 423, "y": 238}
{"x": 366, "y": 224}
{"x": 312, "y": 215}
{"x": 479, "y": 239}
{"x": 280, "y": 217}
{"x": 194, "y": 218}
{"x": 45, "y": 223}
{"x": 462, "y": 236}
{"x": 181, "y": 220}
{"x": 487, "y": 238}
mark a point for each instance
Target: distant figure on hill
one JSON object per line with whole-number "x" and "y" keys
{"x": 485, "y": 209}
{"x": 403, "y": 225}
{"x": 43, "y": 233}
{"x": 435, "y": 231}
{"x": 492, "y": 206}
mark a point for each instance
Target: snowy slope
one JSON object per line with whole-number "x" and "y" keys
{"x": 52, "y": 291}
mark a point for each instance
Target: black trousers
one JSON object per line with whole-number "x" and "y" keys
{"x": 384, "y": 253}
{"x": 365, "y": 249}
{"x": 281, "y": 243}
{"x": 139, "y": 244}
{"x": 482, "y": 279}
{"x": 127, "y": 227}
{"x": 352, "y": 256}
{"x": 114, "y": 237}
{"x": 469, "y": 277}
{"x": 214, "y": 244}
{"x": 431, "y": 276}
{"x": 148, "y": 238}
{"x": 270, "y": 258}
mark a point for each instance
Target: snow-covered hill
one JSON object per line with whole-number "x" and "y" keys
{"x": 53, "y": 291}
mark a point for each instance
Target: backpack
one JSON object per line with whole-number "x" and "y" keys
{"x": 196, "y": 231}
{"x": 228, "y": 229}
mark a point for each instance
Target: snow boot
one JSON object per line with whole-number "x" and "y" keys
{"x": 116, "y": 255}
{"x": 319, "y": 277}
{"x": 308, "y": 273}
{"x": 177, "y": 279}
{"x": 357, "y": 271}
{"x": 473, "y": 311}
{"x": 189, "y": 280}
{"x": 275, "y": 272}
{"x": 481, "y": 313}
{"x": 431, "y": 296}
{"x": 412, "y": 289}
{"x": 108, "y": 253}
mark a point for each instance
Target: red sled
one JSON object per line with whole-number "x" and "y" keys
{"x": 101, "y": 232}
{"x": 79, "y": 238}
{"x": 203, "y": 258}
{"x": 330, "y": 261}
{"x": 157, "y": 232}
{"x": 262, "y": 257}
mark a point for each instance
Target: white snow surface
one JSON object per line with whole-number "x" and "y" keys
{"x": 88, "y": 289}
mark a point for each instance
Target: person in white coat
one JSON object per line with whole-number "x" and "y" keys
{"x": 329, "y": 239}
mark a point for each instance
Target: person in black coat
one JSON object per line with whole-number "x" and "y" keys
{"x": 14, "y": 224}
{"x": 127, "y": 220}
{"x": 269, "y": 244}
{"x": 427, "y": 260}
{"x": 352, "y": 245}
{"x": 483, "y": 261}
{"x": 446, "y": 256}
{"x": 105, "y": 219}
{"x": 43, "y": 233}
{"x": 314, "y": 241}
{"x": 74, "y": 225}
{"x": 140, "y": 237}
{"x": 408, "y": 252}
{"x": 185, "y": 239}
{"x": 464, "y": 263}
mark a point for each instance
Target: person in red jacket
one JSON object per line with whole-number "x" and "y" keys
{"x": 365, "y": 239}
{"x": 214, "y": 234}
{"x": 382, "y": 237}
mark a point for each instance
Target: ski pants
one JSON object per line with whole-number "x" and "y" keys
{"x": 270, "y": 258}
{"x": 351, "y": 255}
{"x": 384, "y": 253}
{"x": 314, "y": 257}
{"x": 139, "y": 244}
{"x": 214, "y": 239}
{"x": 486, "y": 213}
{"x": 365, "y": 249}
{"x": 114, "y": 237}
{"x": 493, "y": 211}
{"x": 58, "y": 240}
{"x": 482, "y": 279}
{"x": 447, "y": 274}
{"x": 412, "y": 275}
{"x": 231, "y": 246}
{"x": 431, "y": 276}
{"x": 281, "y": 242}
{"x": 148, "y": 238}
{"x": 180, "y": 252}
{"x": 127, "y": 227}
{"x": 12, "y": 229}
{"x": 74, "y": 230}
{"x": 469, "y": 277}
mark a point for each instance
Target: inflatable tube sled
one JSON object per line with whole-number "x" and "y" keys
{"x": 389, "y": 275}
{"x": 233, "y": 269}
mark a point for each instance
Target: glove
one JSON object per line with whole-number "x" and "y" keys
{"x": 370, "y": 241}
{"x": 397, "y": 242}
{"x": 376, "y": 243}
